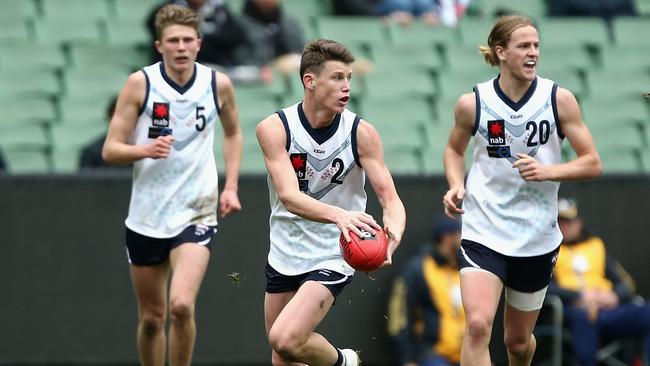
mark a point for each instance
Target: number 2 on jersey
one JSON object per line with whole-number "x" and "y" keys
{"x": 338, "y": 163}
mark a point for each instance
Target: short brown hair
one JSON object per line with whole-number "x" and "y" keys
{"x": 500, "y": 35}
{"x": 318, "y": 51}
{"x": 172, "y": 14}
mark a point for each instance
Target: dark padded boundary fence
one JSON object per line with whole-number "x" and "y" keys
{"x": 66, "y": 296}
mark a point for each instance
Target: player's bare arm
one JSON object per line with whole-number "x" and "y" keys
{"x": 272, "y": 138}
{"x": 454, "y": 155}
{"x": 371, "y": 157}
{"x": 232, "y": 145}
{"x": 586, "y": 165}
{"x": 116, "y": 149}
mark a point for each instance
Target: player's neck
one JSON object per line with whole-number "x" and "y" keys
{"x": 317, "y": 116}
{"x": 179, "y": 77}
{"x": 513, "y": 87}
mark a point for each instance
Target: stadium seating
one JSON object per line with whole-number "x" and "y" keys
{"x": 136, "y": 11}
{"x": 56, "y": 31}
{"x": 69, "y": 57}
{"x": 17, "y": 9}
{"x": 75, "y": 10}
{"x": 32, "y": 56}
{"x": 104, "y": 55}
{"x": 28, "y": 82}
{"x": 14, "y": 30}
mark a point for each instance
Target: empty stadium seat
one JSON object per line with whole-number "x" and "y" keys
{"x": 407, "y": 112}
{"x": 69, "y": 139}
{"x": 575, "y": 31}
{"x": 631, "y": 31}
{"x": 619, "y": 82}
{"x": 104, "y": 81}
{"x": 626, "y": 56}
{"x": 403, "y": 161}
{"x": 21, "y": 111}
{"x": 407, "y": 82}
{"x": 127, "y": 31}
{"x": 136, "y": 11}
{"x": 474, "y": 31}
{"x": 461, "y": 58}
{"x": 26, "y": 136}
{"x": 14, "y": 31}
{"x": 349, "y": 30}
{"x": 27, "y": 161}
{"x": 615, "y": 110}
{"x": 421, "y": 34}
{"x": 17, "y": 9}
{"x": 53, "y": 31}
{"x": 75, "y": 10}
{"x": 28, "y": 82}
{"x": 82, "y": 109}
{"x": 101, "y": 54}
{"x": 395, "y": 58}
{"x": 31, "y": 56}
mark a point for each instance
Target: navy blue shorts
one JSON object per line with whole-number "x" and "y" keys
{"x": 276, "y": 282}
{"x": 146, "y": 251}
{"x": 524, "y": 274}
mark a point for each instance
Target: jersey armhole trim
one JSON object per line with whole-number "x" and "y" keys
{"x": 146, "y": 93}
{"x": 477, "y": 119}
{"x": 555, "y": 113}
{"x": 213, "y": 84}
{"x": 353, "y": 140}
{"x": 285, "y": 123}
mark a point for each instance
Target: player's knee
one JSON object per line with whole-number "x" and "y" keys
{"x": 479, "y": 328}
{"x": 285, "y": 343}
{"x": 181, "y": 309}
{"x": 152, "y": 323}
{"x": 519, "y": 345}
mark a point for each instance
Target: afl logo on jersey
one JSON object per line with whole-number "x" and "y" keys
{"x": 160, "y": 117}
{"x": 496, "y": 132}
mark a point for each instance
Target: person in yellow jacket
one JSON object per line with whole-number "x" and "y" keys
{"x": 425, "y": 315}
{"x": 596, "y": 291}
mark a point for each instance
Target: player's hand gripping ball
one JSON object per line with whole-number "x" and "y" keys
{"x": 367, "y": 253}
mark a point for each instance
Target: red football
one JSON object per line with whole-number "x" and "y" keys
{"x": 367, "y": 253}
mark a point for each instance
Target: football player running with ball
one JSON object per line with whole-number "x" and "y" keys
{"x": 317, "y": 154}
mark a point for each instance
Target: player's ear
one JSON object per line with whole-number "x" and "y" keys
{"x": 157, "y": 44}
{"x": 499, "y": 53}
{"x": 200, "y": 42}
{"x": 308, "y": 80}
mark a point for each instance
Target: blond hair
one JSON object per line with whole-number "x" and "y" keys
{"x": 318, "y": 51}
{"x": 172, "y": 14}
{"x": 500, "y": 35}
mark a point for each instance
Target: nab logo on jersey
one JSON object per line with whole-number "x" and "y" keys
{"x": 299, "y": 164}
{"x": 160, "y": 116}
{"x": 496, "y": 132}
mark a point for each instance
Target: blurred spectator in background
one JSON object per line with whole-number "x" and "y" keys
{"x": 425, "y": 315}
{"x": 596, "y": 291}
{"x": 431, "y": 12}
{"x": 221, "y": 32}
{"x": 404, "y": 11}
{"x": 591, "y": 8}
{"x": 274, "y": 39}
{"x": 452, "y": 10}
{"x": 91, "y": 154}
{"x": 3, "y": 165}
{"x": 356, "y": 7}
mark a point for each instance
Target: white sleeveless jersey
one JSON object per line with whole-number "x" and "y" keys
{"x": 502, "y": 210}
{"x": 170, "y": 194}
{"x": 327, "y": 167}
